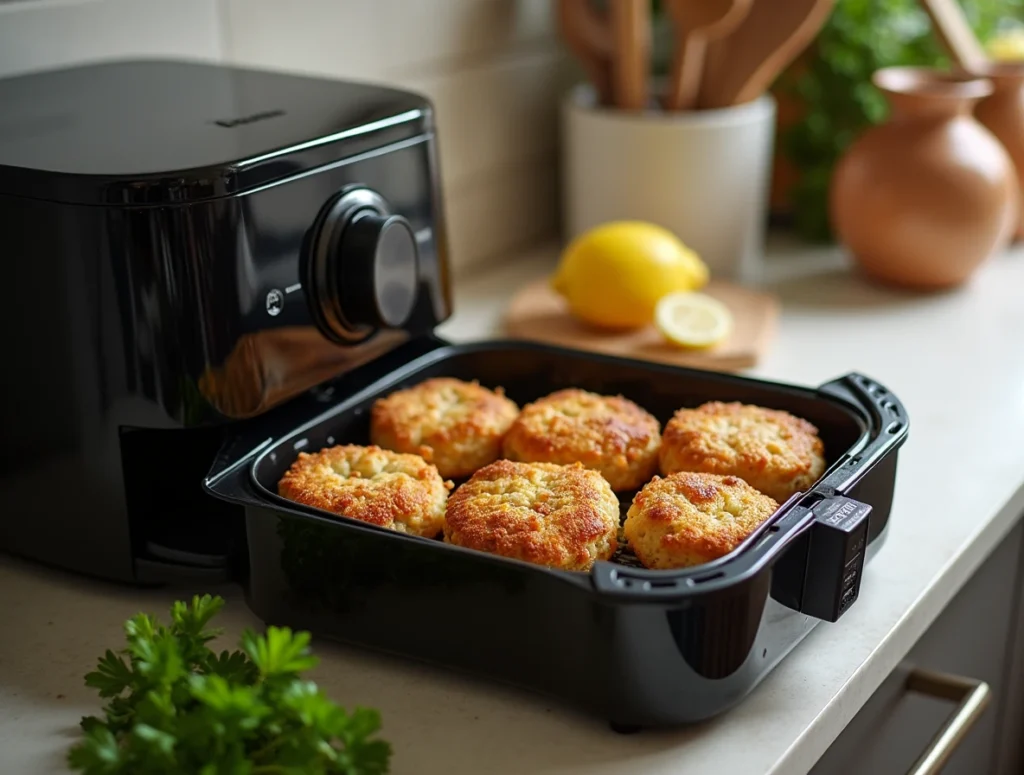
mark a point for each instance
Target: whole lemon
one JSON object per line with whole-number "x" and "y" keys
{"x": 613, "y": 275}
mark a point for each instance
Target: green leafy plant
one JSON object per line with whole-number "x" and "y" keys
{"x": 176, "y": 707}
{"x": 832, "y": 86}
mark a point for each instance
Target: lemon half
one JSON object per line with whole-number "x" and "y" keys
{"x": 693, "y": 320}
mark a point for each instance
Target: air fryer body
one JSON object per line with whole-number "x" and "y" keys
{"x": 162, "y": 296}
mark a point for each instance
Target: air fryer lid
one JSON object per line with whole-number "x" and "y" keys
{"x": 163, "y": 131}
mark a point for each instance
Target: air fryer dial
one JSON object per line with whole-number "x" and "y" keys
{"x": 363, "y": 266}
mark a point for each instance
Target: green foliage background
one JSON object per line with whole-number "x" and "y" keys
{"x": 834, "y": 84}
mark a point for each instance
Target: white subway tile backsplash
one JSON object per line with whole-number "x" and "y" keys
{"x": 335, "y": 38}
{"x": 496, "y": 115}
{"x": 40, "y": 34}
{"x": 382, "y": 39}
{"x": 504, "y": 212}
{"x": 441, "y": 35}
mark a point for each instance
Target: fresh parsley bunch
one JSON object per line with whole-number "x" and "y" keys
{"x": 177, "y": 707}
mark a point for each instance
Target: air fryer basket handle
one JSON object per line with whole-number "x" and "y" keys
{"x": 643, "y": 584}
{"x": 228, "y": 477}
{"x": 888, "y": 425}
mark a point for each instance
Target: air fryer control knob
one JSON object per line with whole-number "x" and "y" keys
{"x": 363, "y": 267}
{"x": 379, "y": 269}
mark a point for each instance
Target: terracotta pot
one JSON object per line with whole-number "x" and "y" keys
{"x": 1003, "y": 114}
{"x": 922, "y": 200}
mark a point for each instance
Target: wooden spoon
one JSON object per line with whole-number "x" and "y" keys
{"x": 586, "y": 35}
{"x": 743, "y": 65}
{"x": 956, "y": 35}
{"x": 696, "y": 23}
{"x": 631, "y": 29}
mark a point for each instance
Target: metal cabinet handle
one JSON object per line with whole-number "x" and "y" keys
{"x": 972, "y": 697}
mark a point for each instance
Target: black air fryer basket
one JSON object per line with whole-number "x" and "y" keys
{"x": 669, "y": 646}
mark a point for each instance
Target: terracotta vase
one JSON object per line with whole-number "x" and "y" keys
{"x": 923, "y": 199}
{"x": 1003, "y": 114}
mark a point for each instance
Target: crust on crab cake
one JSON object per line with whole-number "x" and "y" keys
{"x": 772, "y": 450}
{"x": 390, "y": 489}
{"x": 609, "y": 434}
{"x": 456, "y": 425}
{"x": 560, "y": 516}
{"x": 688, "y": 519}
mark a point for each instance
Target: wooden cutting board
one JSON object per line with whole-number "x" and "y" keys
{"x": 539, "y": 314}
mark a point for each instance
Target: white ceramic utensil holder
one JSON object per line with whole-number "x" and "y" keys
{"x": 703, "y": 174}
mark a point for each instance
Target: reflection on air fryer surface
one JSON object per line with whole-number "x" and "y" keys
{"x": 541, "y": 481}
{"x": 268, "y": 367}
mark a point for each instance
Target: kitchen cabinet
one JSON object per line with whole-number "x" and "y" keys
{"x": 980, "y": 635}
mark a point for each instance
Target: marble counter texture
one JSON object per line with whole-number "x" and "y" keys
{"x": 957, "y": 362}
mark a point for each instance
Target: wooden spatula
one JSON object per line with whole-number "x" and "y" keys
{"x": 743, "y": 65}
{"x": 696, "y": 23}
{"x": 957, "y": 37}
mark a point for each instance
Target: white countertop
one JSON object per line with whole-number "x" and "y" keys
{"x": 957, "y": 362}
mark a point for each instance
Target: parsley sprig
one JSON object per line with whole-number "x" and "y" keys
{"x": 175, "y": 706}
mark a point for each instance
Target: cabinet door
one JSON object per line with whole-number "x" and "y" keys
{"x": 972, "y": 638}
{"x": 1010, "y": 742}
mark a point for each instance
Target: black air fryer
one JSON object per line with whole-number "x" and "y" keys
{"x": 211, "y": 269}
{"x": 188, "y": 247}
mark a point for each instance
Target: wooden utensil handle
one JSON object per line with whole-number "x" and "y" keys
{"x": 687, "y": 65}
{"x": 588, "y": 38}
{"x": 955, "y": 34}
{"x": 595, "y": 28}
{"x": 630, "y": 22}
{"x": 742, "y": 66}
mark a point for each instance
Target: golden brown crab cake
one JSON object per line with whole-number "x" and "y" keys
{"x": 688, "y": 518}
{"x": 456, "y": 425}
{"x": 609, "y": 434}
{"x": 559, "y": 516}
{"x": 397, "y": 491}
{"x": 772, "y": 450}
